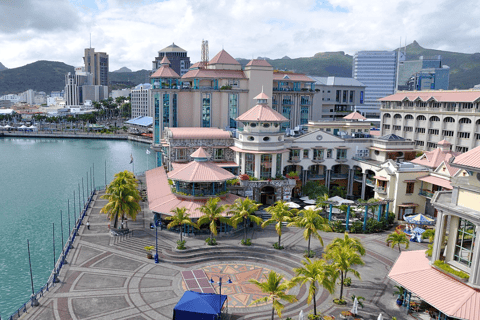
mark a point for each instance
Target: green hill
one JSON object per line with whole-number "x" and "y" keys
{"x": 464, "y": 67}
{"x": 44, "y": 76}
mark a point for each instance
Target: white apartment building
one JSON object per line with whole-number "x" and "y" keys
{"x": 428, "y": 117}
{"x": 141, "y": 101}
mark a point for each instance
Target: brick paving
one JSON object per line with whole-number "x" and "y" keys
{"x": 111, "y": 278}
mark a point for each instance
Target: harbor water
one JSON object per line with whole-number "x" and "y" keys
{"x": 37, "y": 177}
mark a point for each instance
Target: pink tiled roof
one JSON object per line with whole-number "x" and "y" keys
{"x": 279, "y": 76}
{"x": 469, "y": 159}
{"x": 200, "y": 153}
{"x": 223, "y": 57}
{"x": 165, "y": 60}
{"x": 262, "y": 113}
{"x": 198, "y": 133}
{"x": 165, "y": 72}
{"x": 452, "y": 297}
{"x": 354, "y": 116}
{"x": 162, "y": 200}
{"x": 437, "y": 95}
{"x": 375, "y": 133}
{"x": 437, "y": 181}
{"x": 214, "y": 73}
{"x": 259, "y": 62}
{"x": 199, "y": 64}
{"x": 200, "y": 171}
{"x": 261, "y": 96}
{"x": 432, "y": 159}
{"x": 443, "y": 143}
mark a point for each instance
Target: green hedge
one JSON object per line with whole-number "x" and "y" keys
{"x": 445, "y": 267}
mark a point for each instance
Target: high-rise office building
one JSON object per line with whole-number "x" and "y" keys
{"x": 377, "y": 70}
{"x": 96, "y": 63}
{"x": 179, "y": 61}
{"x": 426, "y": 73}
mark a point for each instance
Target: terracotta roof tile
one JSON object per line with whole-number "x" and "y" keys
{"x": 259, "y": 62}
{"x": 165, "y": 60}
{"x": 437, "y": 95}
{"x": 198, "y": 133}
{"x": 432, "y": 159}
{"x": 437, "y": 181}
{"x": 468, "y": 159}
{"x": 261, "y": 96}
{"x": 214, "y": 73}
{"x": 200, "y": 153}
{"x": 200, "y": 171}
{"x": 165, "y": 72}
{"x": 279, "y": 76}
{"x": 262, "y": 113}
{"x": 223, "y": 57}
{"x": 354, "y": 116}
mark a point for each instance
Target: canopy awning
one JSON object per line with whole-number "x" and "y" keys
{"x": 437, "y": 181}
{"x": 380, "y": 178}
{"x": 452, "y": 297}
{"x": 195, "y": 305}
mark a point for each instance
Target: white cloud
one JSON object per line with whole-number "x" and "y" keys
{"x": 132, "y": 32}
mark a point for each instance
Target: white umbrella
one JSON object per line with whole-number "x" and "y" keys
{"x": 292, "y": 205}
{"x": 309, "y": 201}
{"x": 380, "y": 317}
{"x": 340, "y": 200}
{"x": 312, "y": 208}
{"x": 355, "y": 306}
{"x": 300, "y": 315}
{"x": 305, "y": 198}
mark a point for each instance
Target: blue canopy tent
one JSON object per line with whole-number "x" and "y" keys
{"x": 199, "y": 306}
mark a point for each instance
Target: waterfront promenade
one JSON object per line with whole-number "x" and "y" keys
{"x": 110, "y": 277}
{"x": 82, "y": 135}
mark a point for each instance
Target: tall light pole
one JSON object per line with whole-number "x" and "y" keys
{"x": 220, "y": 285}
{"x": 156, "y": 240}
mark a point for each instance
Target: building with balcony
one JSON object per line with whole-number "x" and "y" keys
{"x": 428, "y": 117}
{"x": 140, "y": 101}
{"x": 178, "y": 57}
{"x": 455, "y": 244}
{"x": 336, "y": 96}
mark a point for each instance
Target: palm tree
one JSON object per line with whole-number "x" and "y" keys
{"x": 212, "y": 213}
{"x": 396, "y": 239}
{"x": 343, "y": 258}
{"x": 180, "y": 218}
{"x": 123, "y": 197}
{"x": 312, "y": 222}
{"x": 280, "y": 213}
{"x": 242, "y": 210}
{"x": 276, "y": 289}
{"x": 353, "y": 243}
{"x": 314, "y": 273}
{"x": 322, "y": 201}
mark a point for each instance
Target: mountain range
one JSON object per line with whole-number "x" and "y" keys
{"x": 2, "y": 67}
{"x": 50, "y": 75}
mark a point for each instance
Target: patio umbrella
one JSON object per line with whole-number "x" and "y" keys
{"x": 300, "y": 315}
{"x": 340, "y": 200}
{"x": 418, "y": 230}
{"x": 312, "y": 208}
{"x": 309, "y": 201}
{"x": 292, "y": 205}
{"x": 355, "y": 306}
{"x": 380, "y": 317}
{"x": 305, "y": 198}
{"x": 420, "y": 219}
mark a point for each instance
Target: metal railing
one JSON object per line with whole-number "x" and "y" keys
{"x": 52, "y": 280}
{"x": 426, "y": 193}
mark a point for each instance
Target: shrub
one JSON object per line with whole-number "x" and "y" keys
{"x": 445, "y": 267}
{"x": 391, "y": 217}
{"x": 246, "y": 242}
{"x": 429, "y": 234}
{"x": 429, "y": 251}
{"x": 374, "y": 226}
{"x": 314, "y": 317}
{"x": 211, "y": 241}
{"x": 337, "y": 226}
{"x": 308, "y": 254}
{"x": 181, "y": 245}
{"x": 233, "y": 182}
{"x": 356, "y": 227}
{"x": 276, "y": 246}
{"x": 347, "y": 281}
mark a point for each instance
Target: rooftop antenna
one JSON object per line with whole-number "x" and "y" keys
{"x": 204, "y": 58}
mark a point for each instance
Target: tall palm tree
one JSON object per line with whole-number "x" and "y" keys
{"x": 242, "y": 210}
{"x": 322, "y": 201}
{"x": 212, "y": 213}
{"x": 396, "y": 239}
{"x": 343, "y": 259}
{"x": 312, "y": 222}
{"x": 347, "y": 242}
{"x": 280, "y": 213}
{"x": 314, "y": 273}
{"x": 276, "y": 289}
{"x": 123, "y": 198}
{"x": 180, "y": 218}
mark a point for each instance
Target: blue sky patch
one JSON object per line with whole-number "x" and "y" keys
{"x": 325, "y": 5}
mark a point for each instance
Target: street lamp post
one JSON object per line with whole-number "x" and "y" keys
{"x": 220, "y": 285}
{"x": 156, "y": 240}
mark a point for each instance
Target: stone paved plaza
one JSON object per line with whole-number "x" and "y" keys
{"x": 111, "y": 278}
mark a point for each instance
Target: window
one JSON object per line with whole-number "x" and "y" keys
{"x": 421, "y": 118}
{"x": 352, "y": 96}
{"x": 305, "y": 153}
{"x": 250, "y": 164}
{"x": 410, "y": 187}
{"x": 431, "y": 145}
{"x": 206, "y": 110}
{"x": 408, "y": 129}
{"x": 266, "y": 138}
{"x": 337, "y": 97}
{"x": 181, "y": 154}
{"x": 463, "y": 135}
{"x": 447, "y": 133}
{"x": 420, "y": 130}
{"x": 329, "y": 153}
{"x": 386, "y": 126}
{"x": 318, "y": 154}
{"x": 465, "y": 120}
{"x": 294, "y": 155}
{"x": 361, "y": 97}
{"x": 465, "y": 242}
{"x": 166, "y": 110}
{"x": 397, "y": 116}
{"x": 449, "y": 119}
{"x": 266, "y": 166}
{"x": 233, "y": 109}
{"x": 408, "y": 117}
{"x": 433, "y": 131}
{"x": 434, "y": 119}
{"x": 304, "y": 115}
{"x": 341, "y": 154}
{"x": 174, "y": 110}
{"x": 344, "y": 95}
{"x": 461, "y": 149}
{"x": 219, "y": 154}
{"x": 419, "y": 143}
{"x": 233, "y": 83}
{"x": 397, "y": 128}
{"x": 279, "y": 165}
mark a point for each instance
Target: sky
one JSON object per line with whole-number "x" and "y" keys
{"x": 132, "y": 32}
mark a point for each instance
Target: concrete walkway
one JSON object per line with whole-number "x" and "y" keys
{"x": 111, "y": 278}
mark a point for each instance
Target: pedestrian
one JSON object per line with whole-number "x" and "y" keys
{"x": 88, "y": 225}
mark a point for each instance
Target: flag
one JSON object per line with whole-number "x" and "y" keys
{"x": 131, "y": 158}
{"x": 148, "y": 151}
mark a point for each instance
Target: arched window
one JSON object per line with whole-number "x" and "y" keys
{"x": 464, "y": 120}
{"x": 434, "y": 118}
{"x": 387, "y": 115}
{"x": 408, "y": 117}
{"x": 421, "y": 118}
{"x": 397, "y": 116}
{"x": 449, "y": 119}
